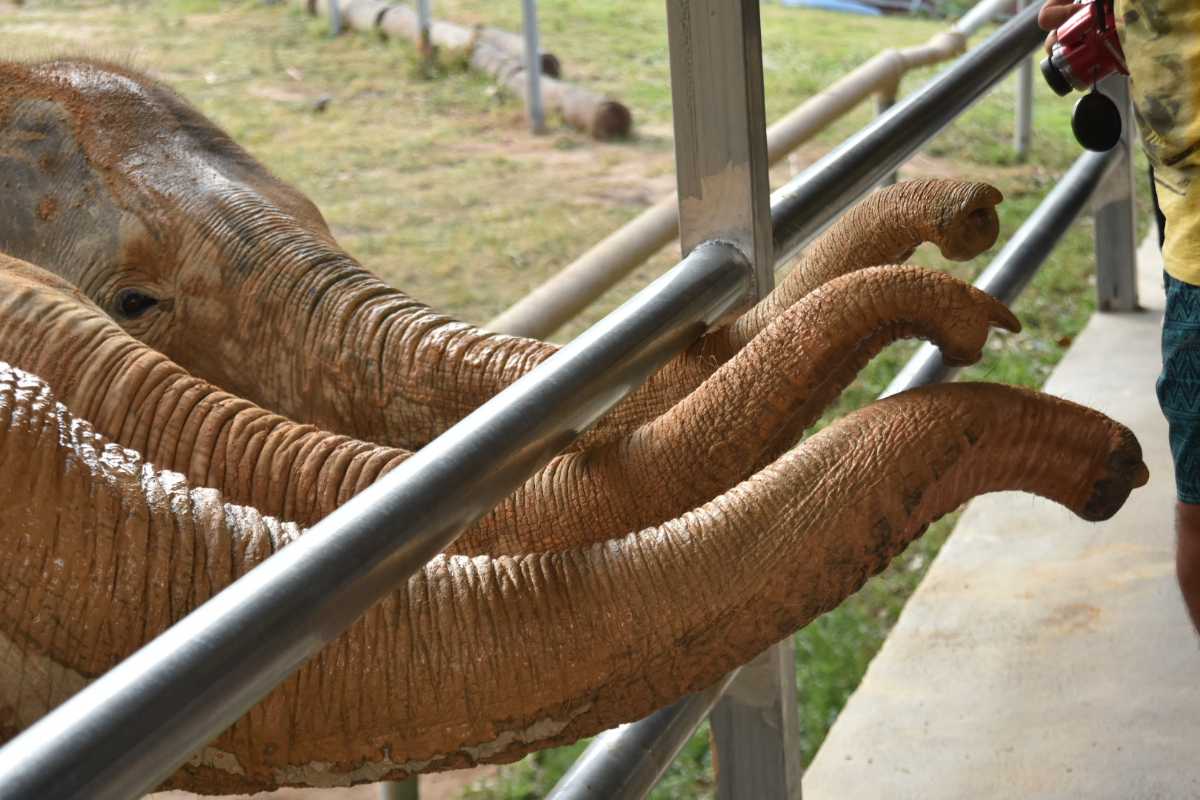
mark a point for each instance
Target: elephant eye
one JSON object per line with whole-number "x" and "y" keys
{"x": 131, "y": 304}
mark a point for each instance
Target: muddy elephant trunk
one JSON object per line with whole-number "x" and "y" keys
{"x": 756, "y": 405}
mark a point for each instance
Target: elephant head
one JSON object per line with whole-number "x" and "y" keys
{"x": 116, "y": 184}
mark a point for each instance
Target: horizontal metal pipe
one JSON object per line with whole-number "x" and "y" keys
{"x": 126, "y": 732}
{"x": 576, "y": 286}
{"x": 629, "y": 760}
{"x": 812, "y": 199}
{"x": 1015, "y": 265}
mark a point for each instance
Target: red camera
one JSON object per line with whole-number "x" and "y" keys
{"x": 1086, "y": 51}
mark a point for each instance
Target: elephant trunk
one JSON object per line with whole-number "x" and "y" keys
{"x": 713, "y": 439}
{"x": 380, "y": 366}
{"x": 589, "y": 638}
{"x": 885, "y": 228}
{"x": 142, "y": 400}
{"x": 483, "y": 659}
{"x": 751, "y": 409}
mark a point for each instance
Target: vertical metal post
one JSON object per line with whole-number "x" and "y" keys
{"x": 335, "y": 18}
{"x": 756, "y": 729}
{"x": 883, "y": 103}
{"x": 399, "y": 790}
{"x": 1023, "y": 125}
{"x": 720, "y": 128}
{"x": 533, "y": 66}
{"x": 721, "y": 168}
{"x": 1115, "y": 234}
{"x": 425, "y": 23}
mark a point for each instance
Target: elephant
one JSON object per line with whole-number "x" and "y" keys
{"x": 161, "y": 433}
{"x": 116, "y": 184}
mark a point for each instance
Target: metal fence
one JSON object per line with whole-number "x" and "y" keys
{"x": 131, "y": 728}
{"x": 580, "y": 283}
{"x": 628, "y": 761}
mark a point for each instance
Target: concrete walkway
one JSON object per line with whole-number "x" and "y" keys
{"x": 1042, "y": 657}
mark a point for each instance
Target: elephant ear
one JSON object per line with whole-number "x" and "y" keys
{"x": 52, "y": 202}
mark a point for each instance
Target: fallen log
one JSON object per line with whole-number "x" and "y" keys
{"x": 401, "y": 21}
{"x": 514, "y": 45}
{"x": 599, "y": 116}
{"x": 497, "y": 53}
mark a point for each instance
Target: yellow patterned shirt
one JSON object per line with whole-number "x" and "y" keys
{"x": 1161, "y": 39}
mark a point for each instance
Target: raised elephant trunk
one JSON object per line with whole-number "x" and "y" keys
{"x": 885, "y": 228}
{"x": 744, "y": 415}
{"x": 757, "y": 404}
{"x": 484, "y": 659}
{"x": 193, "y": 247}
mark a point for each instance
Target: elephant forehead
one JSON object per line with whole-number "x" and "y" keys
{"x": 54, "y": 205}
{"x": 103, "y": 109}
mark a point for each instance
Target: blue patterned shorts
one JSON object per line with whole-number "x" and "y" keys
{"x": 1179, "y": 383}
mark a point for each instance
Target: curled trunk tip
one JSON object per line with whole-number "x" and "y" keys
{"x": 1124, "y": 470}
{"x": 974, "y": 226}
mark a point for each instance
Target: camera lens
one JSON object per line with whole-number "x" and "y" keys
{"x": 1055, "y": 79}
{"x": 1096, "y": 122}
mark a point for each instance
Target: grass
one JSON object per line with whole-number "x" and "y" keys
{"x": 432, "y": 180}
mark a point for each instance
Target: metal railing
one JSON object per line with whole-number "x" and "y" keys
{"x": 131, "y": 728}
{"x": 628, "y": 761}
{"x": 579, "y": 284}
{"x": 799, "y": 210}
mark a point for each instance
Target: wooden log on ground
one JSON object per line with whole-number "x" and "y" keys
{"x": 514, "y": 45}
{"x": 452, "y": 40}
{"x": 363, "y": 15}
{"x": 600, "y": 116}
{"x": 402, "y": 21}
{"x": 497, "y": 53}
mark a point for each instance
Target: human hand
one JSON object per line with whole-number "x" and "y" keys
{"x": 1053, "y": 14}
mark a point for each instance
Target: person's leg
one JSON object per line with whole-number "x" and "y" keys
{"x": 1187, "y": 556}
{"x": 1179, "y": 396}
